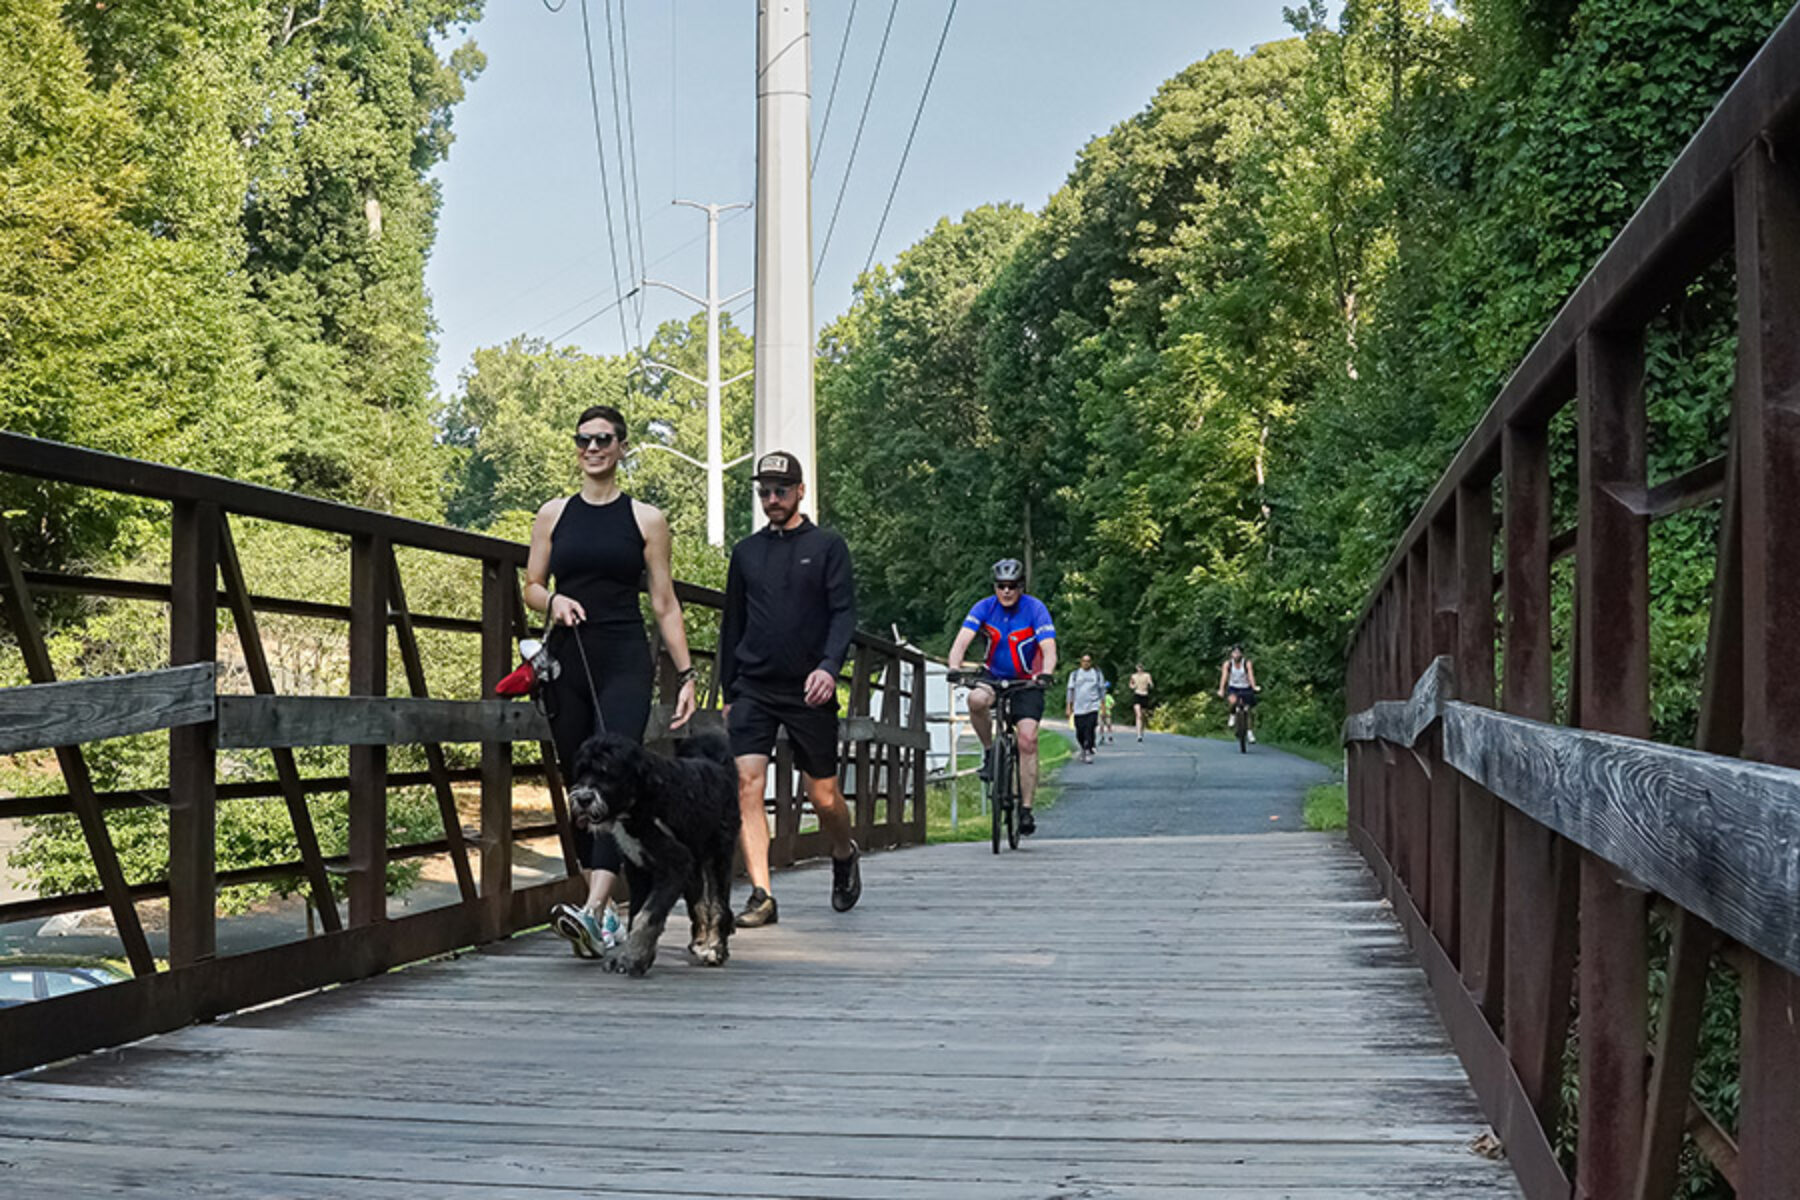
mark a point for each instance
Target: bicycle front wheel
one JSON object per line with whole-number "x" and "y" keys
{"x": 1003, "y": 789}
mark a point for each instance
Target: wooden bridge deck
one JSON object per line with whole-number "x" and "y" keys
{"x": 1217, "y": 1016}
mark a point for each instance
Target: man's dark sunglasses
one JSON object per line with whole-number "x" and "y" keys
{"x": 602, "y": 440}
{"x": 780, "y": 491}
{"x": 1007, "y": 587}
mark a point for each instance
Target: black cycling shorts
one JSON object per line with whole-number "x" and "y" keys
{"x": 1027, "y": 704}
{"x": 1246, "y": 697}
{"x": 812, "y": 730}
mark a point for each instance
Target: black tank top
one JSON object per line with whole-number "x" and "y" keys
{"x": 597, "y": 559}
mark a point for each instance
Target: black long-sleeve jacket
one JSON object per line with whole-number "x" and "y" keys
{"x": 790, "y": 608}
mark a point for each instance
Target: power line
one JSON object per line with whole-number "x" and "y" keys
{"x": 825, "y": 125}
{"x": 917, "y": 113}
{"x": 612, "y": 240}
{"x": 631, "y": 259}
{"x": 600, "y": 313}
{"x": 637, "y": 196}
{"x": 614, "y": 296}
{"x": 856, "y": 142}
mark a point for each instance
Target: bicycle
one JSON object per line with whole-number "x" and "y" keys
{"x": 1003, "y": 791}
{"x": 1240, "y": 718}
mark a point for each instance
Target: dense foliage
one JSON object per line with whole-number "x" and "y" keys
{"x": 214, "y": 220}
{"x": 214, "y": 217}
{"x": 1203, "y": 391}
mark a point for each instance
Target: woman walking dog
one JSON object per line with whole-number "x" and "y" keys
{"x": 597, "y": 545}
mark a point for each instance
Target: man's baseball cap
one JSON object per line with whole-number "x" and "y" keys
{"x": 777, "y": 466}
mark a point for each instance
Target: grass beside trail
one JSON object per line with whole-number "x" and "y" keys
{"x": 1327, "y": 806}
{"x": 1054, "y": 750}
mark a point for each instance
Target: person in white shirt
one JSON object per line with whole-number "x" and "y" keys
{"x": 1087, "y": 688}
{"x": 1237, "y": 687}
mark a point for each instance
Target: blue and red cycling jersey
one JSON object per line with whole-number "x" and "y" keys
{"x": 1013, "y": 634}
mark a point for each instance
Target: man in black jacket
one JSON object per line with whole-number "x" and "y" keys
{"x": 790, "y": 608}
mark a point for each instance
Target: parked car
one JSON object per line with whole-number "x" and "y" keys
{"x": 27, "y": 979}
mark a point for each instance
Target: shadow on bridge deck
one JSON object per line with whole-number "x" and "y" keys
{"x": 1217, "y": 1016}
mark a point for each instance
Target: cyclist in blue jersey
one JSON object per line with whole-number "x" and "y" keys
{"x": 1021, "y": 644}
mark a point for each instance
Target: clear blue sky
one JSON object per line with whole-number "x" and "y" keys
{"x": 1023, "y": 84}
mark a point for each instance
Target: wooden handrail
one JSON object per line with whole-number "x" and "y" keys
{"x": 883, "y": 769}
{"x": 1519, "y": 852}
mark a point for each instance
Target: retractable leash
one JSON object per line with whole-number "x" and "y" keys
{"x": 549, "y": 668}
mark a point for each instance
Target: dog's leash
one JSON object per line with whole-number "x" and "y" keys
{"x": 593, "y": 691}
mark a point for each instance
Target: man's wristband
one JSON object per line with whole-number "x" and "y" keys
{"x": 687, "y": 674}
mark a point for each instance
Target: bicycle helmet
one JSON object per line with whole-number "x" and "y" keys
{"x": 1009, "y": 570}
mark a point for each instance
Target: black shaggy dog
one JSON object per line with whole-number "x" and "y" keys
{"x": 676, "y": 821}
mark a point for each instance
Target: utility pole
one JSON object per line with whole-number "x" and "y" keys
{"x": 784, "y": 294}
{"x": 715, "y": 465}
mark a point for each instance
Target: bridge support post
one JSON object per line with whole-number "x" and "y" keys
{"x": 1539, "y": 878}
{"x": 1613, "y": 677}
{"x": 369, "y": 590}
{"x": 1767, "y": 200}
{"x": 193, "y": 788}
{"x": 1443, "y": 789}
{"x": 499, "y": 587}
{"x": 1479, "y": 849}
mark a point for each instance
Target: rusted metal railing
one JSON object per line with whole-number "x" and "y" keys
{"x": 1526, "y": 858}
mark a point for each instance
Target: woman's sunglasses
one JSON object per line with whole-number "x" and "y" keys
{"x": 602, "y": 440}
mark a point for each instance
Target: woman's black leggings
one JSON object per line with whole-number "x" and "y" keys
{"x": 620, "y": 660}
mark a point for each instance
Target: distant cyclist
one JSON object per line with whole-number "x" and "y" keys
{"x": 1141, "y": 683}
{"x": 1021, "y": 644}
{"x": 1237, "y": 687}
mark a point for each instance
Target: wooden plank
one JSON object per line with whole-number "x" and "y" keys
{"x": 73, "y": 584}
{"x": 1403, "y": 721}
{"x": 31, "y": 806}
{"x": 1715, "y": 835}
{"x": 39, "y": 716}
{"x": 46, "y": 1031}
{"x": 262, "y": 721}
{"x": 21, "y": 617}
{"x": 1252, "y": 1071}
{"x": 38, "y": 458}
{"x": 1503, "y": 1096}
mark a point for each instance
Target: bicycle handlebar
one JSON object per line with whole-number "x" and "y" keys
{"x": 973, "y": 677}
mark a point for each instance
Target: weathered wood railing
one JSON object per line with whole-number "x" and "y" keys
{"x": 883, "y": 733}
{"x": 1523, "y": 856}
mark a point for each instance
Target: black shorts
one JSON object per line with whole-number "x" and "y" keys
{"x": 1027, "y": 704}
{"x": 1141, "y": 699}
{"x": 812, "y": 730}
{"x": 1246, "y": 697}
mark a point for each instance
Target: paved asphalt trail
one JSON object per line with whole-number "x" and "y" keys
{"x": 1171, "y": 785}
